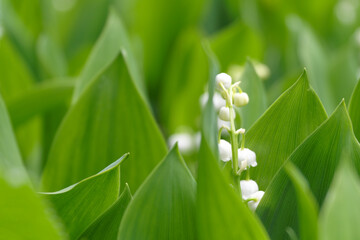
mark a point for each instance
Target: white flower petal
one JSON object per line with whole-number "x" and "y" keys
{"x": 248, "y": 155}
{"x": 224, "y": 150}
{"x": 248, "y": 187}
{"x": 224, "y": 113}
{"x": 185, "y": 142}
{"x": 258, "y": 196}
{"x": 223, "y": 78}
{"x": 241, "y": 99}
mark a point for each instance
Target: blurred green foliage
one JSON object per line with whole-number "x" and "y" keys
{"x": 82, "y": 82}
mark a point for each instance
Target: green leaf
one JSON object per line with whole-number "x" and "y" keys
{"x": 109, "y": 119}
{"x": 107, "y": 225}
{"x": 156, "y": 42}
{"x": 186, "y": 77}
{"x": 253, "y": 86}
{"x": 31, "y": 104}
{"x": 23, "y": 215}
{"x": 309, "y": 53}
{"x": 285, "y": 124}
{"x": 15, "y": 76}
{"x": 164, "y": 206}
{"x": 317, "y": 157}
{"x": 307, "y": 206}
{"x": 64, "y": 24}
{"x": 234, "y": 44}
{"x": 111, "y": 42}
{"x": 18, "y": 202}
{"x": 80, "y": 204}
{"x": 221, "y": 213}
{"x": 354, "y": 110}
{"x": 339, "y": 216}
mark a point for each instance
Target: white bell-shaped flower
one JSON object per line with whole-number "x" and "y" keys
{"x": 241, "y": 99}
{"x": 218, "y": 101}
{"x": 247, "y": 155}
{"x": 224, "y": 113}
{"x": 224, "y": 150}
{"x": 221, "y": 123}
{"x": 223, "y": 78}
{"x": 185, "y": 142}
{"x": 258, "y": 196}
{"x": 248, "y": 187}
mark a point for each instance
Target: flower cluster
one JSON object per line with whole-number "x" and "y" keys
{"x": 242, "y": 158}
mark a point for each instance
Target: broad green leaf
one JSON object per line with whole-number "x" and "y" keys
{"x": 317, "y": 157}
{"x": 339, "y": 216}
{"x": 15, "y": 76}
{"x": 171, "y": 18}
{"x": 80, "y": 204}
{"x": 9, "y": 153}
{"x": 20, "y": 36}
{"x": 164, "y": 205}
{"x": 234, "y": 44}
{"x": 309, "y": 53}
{"x": 107, "y": 225}
{"x": 51, "y": 58}
{"x": 209, "y": 116}
{"x": 111, "y": 42}
{"x": 23, "y": 215}
{"x": 30, "y": 104}
{"x": 307, "y": 206}
{"x": 186, "y": 77}
{"x": 284, "y": 125}
{"x": 64, "y": 24}
{"x": 354, "y": 110}
{"x": 109, "y": 119}
{"x": 221, "y": 214}
{"x": 253, "y": 86}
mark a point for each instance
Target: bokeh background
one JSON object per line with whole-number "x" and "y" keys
{"x": 46, "y": 42}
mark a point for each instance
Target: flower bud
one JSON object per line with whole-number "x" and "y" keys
{"x": 248, "y": 187}
{"x": 224, "y": 150}
{"x": 258, "y": 196}
{"x": 241, "y": 99}
{"x": 223, "y": 78}
{"x": 224, "y": 113}
{"x": 247, "y": 155}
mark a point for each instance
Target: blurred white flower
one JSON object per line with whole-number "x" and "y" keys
{"x": 346, "y": 12}
{"x": 223, "y": 78}
{"x": 241, "y": 99}
{"x": 224, "y": 150}
{"x": 258, "y": 196}
{"x": 186, "y": 142}
{"x": 218, "y": 101}
{"x": 262, "y": 70}
{"x": 224, "y": 113}
{"x": 247, "y": 155}
{"x": 248, "y": 187}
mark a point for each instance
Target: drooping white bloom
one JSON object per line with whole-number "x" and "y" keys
{"x": 218, "y": 101}
{"x": 185, "y": 142}
{"x": 247, "y": 155}
{"x": 224, "y": 113}
{"x": 223, "y": 78}
{"x": 224, "y": 150}
{"x": 258, "y": 196}
{"x": 248, "y": 187}
{"x": 241, "y": 99}
{"x": 262, "y": 70}
{"x": 221, "y": 123}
